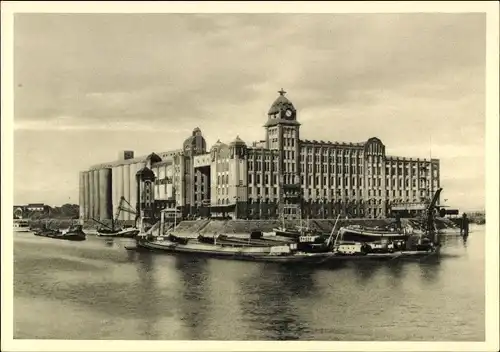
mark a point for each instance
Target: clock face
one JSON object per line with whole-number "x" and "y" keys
{"x": 288, "y": 113}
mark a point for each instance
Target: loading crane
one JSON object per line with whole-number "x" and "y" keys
{"x": 114, "y": 221}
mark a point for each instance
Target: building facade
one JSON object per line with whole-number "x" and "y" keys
{"x": 281, "y": 175}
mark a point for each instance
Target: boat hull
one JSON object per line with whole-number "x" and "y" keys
{"x": 287, "y": 233}
{"x": 71, "y": 236}
{"x": 214, "y": 251}
{"x": 355, "y": 235}
{"x": 119, "y": 234}
{"x": 263, "y": 255}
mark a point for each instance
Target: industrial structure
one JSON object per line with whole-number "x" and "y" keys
{"x": 281, "y": 175}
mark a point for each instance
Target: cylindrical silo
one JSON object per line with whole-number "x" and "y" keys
{"x": 86, "y": 180}
{"x": 109, "y": 193}
{"x": 105, "y": 194}
{"x": 81, "y": 198}
{"x": 96, "y": 214}
{"x": 91, "y": 194}
{"x": 119, "y": 189}
{"x": 114, "y": 190}
{"x": 126, "y": 188}
{"x": 133, "y": 188}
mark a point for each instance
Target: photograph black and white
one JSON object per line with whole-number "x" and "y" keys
{"x": 277, "y": 175}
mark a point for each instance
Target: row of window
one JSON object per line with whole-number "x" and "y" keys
{"x": 258, "y": 166}
{"x": 222, "y": 191}
{"x": 329, "y": 159}
{"x": 330, "y": 192}
{"x": 256, "y": 180}
{"x": 289, "y": 131}
{"x": 289, "y": 142}
{"x": 289, "y": 166}
{"x": 257, "y": 190}
{"x": 331, "y": 151}
{"x": 222, "y": 179}
{"x": 355, "y": 181}
{"x": 339, "y": 169}
{"x": 259, "y": 157}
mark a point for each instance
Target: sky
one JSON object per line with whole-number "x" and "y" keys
{"x": 89, "y": 85}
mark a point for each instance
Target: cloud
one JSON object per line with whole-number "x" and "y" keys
{"x": 64, "y": 123}
{"x": 171, "y": 65}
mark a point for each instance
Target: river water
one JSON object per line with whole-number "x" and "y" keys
{"x": 98, "y": 290}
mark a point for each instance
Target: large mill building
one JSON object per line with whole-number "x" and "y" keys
{"x": 281, "y": 174}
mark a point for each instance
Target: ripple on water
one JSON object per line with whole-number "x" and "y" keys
{"x": 98, "y": 290}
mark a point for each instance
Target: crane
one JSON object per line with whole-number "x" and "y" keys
{"x": 119, "y": 208}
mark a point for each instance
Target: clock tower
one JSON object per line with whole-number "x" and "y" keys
{"x": 282, "y": 134}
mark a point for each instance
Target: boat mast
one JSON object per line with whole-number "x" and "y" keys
{"x": 117, "y": 214}
{"x": 175, "y": 199}
{"x": 430, "y": 228}
{"x": 333, "y": 231}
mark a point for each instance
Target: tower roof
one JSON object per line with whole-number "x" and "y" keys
{"x": 155, "y": 158}
{"x": 218, "y": 145}
{"x": 145, "y": 173}
{"x": 281, "y": 103}
{"x": 238, "y": 141}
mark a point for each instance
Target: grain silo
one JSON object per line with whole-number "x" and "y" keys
{"x": 126, "y": 188}
{"x": 81, "y": 198}
{"x": 105, "y": 204}
{"x": 95, "y": 194}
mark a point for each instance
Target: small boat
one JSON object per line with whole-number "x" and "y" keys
{"x": 129, "y": 232}
{"x": 450, "y": 231}
{"x": 73, "y": 233}
{"x": 357, "y": 233}
{"x": 21, "y": 225}
{"x": 115, "y": 230}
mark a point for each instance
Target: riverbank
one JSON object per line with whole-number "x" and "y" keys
{"x": 206, "y": 226}
{"x": 247, "y": 226}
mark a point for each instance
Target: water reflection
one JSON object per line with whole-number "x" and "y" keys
{"x": 146, "y": 294}
{"x": 194, "y": 292}
{"x": 429, "y": 270}
{"x": 113, "y": 293}
{"x": 365, "y": 271}
{"x": 464, "y": 240}
{"x": 109, "y": 242}
{"x": 396, "y": 270}
{"x": 269, "y": 301}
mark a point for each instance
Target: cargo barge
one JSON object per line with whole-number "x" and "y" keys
{"x": 279, "y": 254}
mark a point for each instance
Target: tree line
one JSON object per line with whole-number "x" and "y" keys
{"x": 66, "y": 211}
